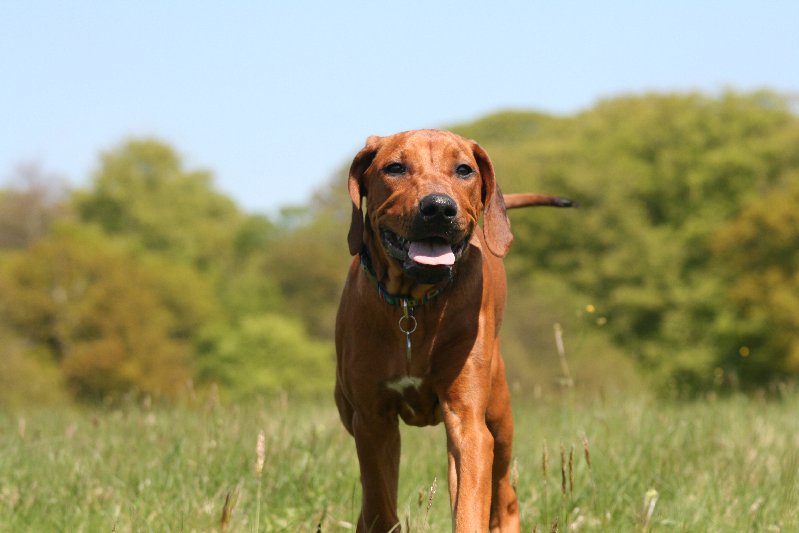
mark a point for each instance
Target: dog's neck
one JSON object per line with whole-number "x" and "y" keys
{"x": 393, "y": 286}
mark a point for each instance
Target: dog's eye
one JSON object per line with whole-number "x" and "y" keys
{"x": 464, "y": 171}
{"x": 395, "y": 169}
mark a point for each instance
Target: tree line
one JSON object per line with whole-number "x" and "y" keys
{"x": 680, "y": 268}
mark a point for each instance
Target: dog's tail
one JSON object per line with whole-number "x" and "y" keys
{"x": 513, "y": 201}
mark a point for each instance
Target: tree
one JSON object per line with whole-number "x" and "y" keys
{"x": 308, "y": 257}
{"x": 142, "y": 191}
{"x": 29, "y": 206}
{"x": 758, "y": 252}
{"x": 114, "y": 321}
{"x": 265, "y": 354}
{"x": 656, "y": 176}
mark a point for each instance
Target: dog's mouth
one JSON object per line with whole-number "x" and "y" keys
{"x": 430, "y": 259}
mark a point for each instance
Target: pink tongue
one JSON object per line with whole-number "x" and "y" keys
{"x": 431, "y": 253}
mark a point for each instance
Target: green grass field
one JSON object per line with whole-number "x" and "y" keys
{"x": 723, "y": 465}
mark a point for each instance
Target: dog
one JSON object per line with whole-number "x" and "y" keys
{"x": 417, "y": 329}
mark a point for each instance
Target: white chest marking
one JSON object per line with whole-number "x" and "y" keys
{"x": 405, "y": 382}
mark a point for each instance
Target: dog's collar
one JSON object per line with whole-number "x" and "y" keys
{"x": 393, "y": 299}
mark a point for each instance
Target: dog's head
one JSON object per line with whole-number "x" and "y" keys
{"x": 425, "y": 191}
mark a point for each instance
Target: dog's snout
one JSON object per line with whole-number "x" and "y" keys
{"x": 438, "y": 207}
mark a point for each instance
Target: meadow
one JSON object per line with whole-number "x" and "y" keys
{"x": 611, "y": 463}
{"x": 115, "y": 286}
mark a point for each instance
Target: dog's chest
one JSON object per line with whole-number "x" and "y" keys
{"x": 414, "y": 400}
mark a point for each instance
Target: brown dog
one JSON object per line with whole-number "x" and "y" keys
{"x": 417, "y": 331}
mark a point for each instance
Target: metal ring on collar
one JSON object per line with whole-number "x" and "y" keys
{"x": 411, "y": 320}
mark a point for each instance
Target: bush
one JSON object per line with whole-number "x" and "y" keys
{"x": 112, "y": 321}
{"x": 265, "y": 354}
{"x": 28, "y": 375}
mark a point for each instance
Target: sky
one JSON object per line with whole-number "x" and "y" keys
{"x": 274, "y": 96}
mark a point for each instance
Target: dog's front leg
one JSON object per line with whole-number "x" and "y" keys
{"x": 470, "y": 451}
{"x": 377, "y": 440}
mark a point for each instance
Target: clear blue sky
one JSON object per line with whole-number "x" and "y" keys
{"x": 273, "y": 96}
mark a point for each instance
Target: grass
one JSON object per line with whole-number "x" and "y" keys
{"x": 612, "y": 464}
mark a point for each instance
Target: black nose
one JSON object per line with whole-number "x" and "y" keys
{"x": 438, "y": 207}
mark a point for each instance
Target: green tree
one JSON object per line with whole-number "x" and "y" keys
{"x": 265, "y": 354}
{"x": 758, "y": 252}
{"x": 142, "y": 191}
{"x": 656, "y": 176}
{"x": 114, "y": 321}
{"x": 308, "y": 257}
{"x": 28, "y": 374}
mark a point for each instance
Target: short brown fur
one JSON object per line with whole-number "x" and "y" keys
{"x": 455, "y": 373}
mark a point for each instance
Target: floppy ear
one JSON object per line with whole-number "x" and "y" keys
{"x": 496, "y": 225}
{"x": 357, "y": 189}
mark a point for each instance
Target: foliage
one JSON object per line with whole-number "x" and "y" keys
{"x": 656, "y": 177}
{"x": 127, "y": 296}
{"x": 309, "y": 261}
{"x": 681, "y": 260}
{"x": 724, "y": 465}
{"x": 29, "y": 207}
{"x": 28, "y": 374}
{"x": 142, "y": 190}
{"x": 758, "y": 251}
{"x": 265, "y": 354}
{"x": 112, "y": 321}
